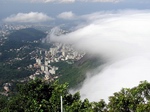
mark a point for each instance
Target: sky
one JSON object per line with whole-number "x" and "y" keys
{"x": 38, "y": 11}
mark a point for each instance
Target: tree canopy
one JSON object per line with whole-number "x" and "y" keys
{"x": 41, "y": 96}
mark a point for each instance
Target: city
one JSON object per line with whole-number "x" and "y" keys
{"x": 42, "y": 59}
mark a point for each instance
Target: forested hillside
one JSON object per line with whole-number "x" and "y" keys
{"x": 75, "y": 73}
{"x": 17, "y": 52}
{"x": 28, "y": 34}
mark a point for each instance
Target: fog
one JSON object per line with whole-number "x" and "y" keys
{"x": 122, "y": 38}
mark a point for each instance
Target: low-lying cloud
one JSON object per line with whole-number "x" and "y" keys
{"x": 123, "y": 39}
{"x": 32, "y": 17}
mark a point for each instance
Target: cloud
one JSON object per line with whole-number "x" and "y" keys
{"x": 47, "y": 1}
{"x": 32, "y": 17}
{"x": 72, "y": 1}
{"x": 67, "y": 15}
{"x": 122, "y": 39}
{"x": 114, "y": 1}
{"x": 67, "y": 1}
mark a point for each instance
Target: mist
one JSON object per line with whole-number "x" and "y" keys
{"x": 122, "y": 38}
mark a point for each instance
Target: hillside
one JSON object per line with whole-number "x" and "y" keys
{"x": 15, "y": 58}
{"x": 18, "y": 52}
{"x": 28, "y": 34}
{"x": 76, "y": 73}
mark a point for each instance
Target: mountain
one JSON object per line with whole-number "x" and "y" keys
{"x": 28, "y": 34}
{"x": 75, "y": 73}
{"x": 18, "y": 52}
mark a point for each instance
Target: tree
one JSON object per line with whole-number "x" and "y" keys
{"x": 131, "y": 100}
{"x": 3, "y": 102}
{"x": 38, "y": 96}
{"x": 41, "y": 96}
{"x": 100, "y": 106}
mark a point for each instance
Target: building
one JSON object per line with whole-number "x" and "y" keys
{"x": 42, "y": 68}
{"x": 38, "y": 61}
{"x": 53, "y": 51}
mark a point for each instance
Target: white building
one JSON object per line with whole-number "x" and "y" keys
{"x": 52, "y": 71}
{"x": 42, "y": 68}
{"x": 64, "y": 53}
{"x": 75, "y": 54}
{"x": 46, "y": 63}
{"x": 40, "y": 51}
{"x": 46, "y": 68}
{"x": 38, "y": 61}
{"x": 53, "y": 51}
{"x": 32, "y": 77}
{"x": 47, "y": 76}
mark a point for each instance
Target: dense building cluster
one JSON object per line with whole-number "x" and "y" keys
{"x": 57, "y": 53}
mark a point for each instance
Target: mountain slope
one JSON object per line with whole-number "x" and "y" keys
{"x": 28, "y": 34}
{"x": 75, "y": 74}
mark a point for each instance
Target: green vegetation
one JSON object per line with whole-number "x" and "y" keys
{"x": 74, "y": 74}
{"x": 18, "y": 52}
{"x": 136, "y": 99}
{"x": 28, "y": 34}
{"x": 41, "y": 96}
{"x": 22, "y": 40}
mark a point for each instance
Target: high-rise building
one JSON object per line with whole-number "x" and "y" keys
{"x": 38, "y": 61}
{"x": 42, "y": 68}
{"x": 53, "y": 51}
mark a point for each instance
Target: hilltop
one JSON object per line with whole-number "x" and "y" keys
{"x": 28, "y": 34}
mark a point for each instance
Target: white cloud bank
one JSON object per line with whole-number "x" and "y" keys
{"x": 123, "y": 39}
{"x": 67, "y": 15}
{"x": 31, "y": 17}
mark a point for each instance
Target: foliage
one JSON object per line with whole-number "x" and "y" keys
{"x": 75, "y": 74}
{"x": 3, "y": 102}
{"x": 8, "y": 72}
{"x": 28, "y": 34}
{"x": 17, "y": 53}
{"x": 41, "y": 96}
{"x": 131, "y": 100}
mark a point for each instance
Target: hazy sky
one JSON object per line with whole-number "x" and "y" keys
{"x": 53, "y": 10}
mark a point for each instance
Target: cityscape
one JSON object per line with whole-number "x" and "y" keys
{"x": 43, "y": 58}
{"x": 59, "y": 52}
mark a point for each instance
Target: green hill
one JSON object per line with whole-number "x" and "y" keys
{"x": 75, "y": 73}
{"x": 28, "y": 34}
{"x": 17, "y": 52}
